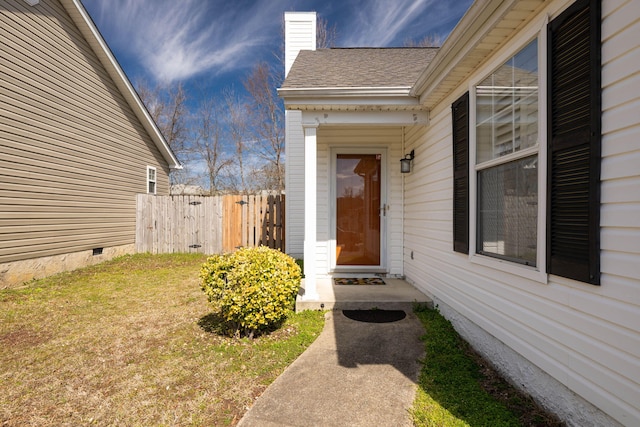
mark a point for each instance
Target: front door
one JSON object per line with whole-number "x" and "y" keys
{"x": 359, "y": 209}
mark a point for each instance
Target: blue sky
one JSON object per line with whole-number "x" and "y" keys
{"x": 211, "y": 44}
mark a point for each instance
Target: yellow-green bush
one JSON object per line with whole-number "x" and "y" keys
{"x": 254, "y": 288}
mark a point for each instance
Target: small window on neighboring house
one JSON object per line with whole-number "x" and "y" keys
{"x": 151, "y": 180}
{"x": 508, "y": 155}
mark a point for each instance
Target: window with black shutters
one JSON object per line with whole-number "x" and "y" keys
{"x": 506, "y": 161}
{"x": 504, "y": 141}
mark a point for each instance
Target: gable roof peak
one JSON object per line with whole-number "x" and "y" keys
{"x": 85, "y": 24}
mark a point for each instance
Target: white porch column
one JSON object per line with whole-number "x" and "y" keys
{"x": 310, "y": 212}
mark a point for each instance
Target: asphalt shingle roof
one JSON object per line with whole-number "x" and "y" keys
{"x": 358, "y": 67}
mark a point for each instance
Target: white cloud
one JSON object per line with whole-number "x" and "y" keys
{"x": 175, "y": 40}
{"x": 379, "y": 23}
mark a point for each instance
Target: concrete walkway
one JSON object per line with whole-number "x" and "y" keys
{"x": 354, "y": 374}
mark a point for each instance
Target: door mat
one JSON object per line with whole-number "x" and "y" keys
{"x": 358, "y": 281}
{"x": 375, "y": 316}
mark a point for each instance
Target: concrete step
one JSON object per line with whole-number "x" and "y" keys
{"x": 395, "y": 294}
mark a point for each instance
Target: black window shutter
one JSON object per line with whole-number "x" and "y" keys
{"x": 574, "y": 126}
{"x": 460, "y": 119}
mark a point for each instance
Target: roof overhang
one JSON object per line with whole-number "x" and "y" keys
{"x": 344, "y": 92}
{"x": 485, "y": 27}
{"x": 85, "y": 24}
{"x": 384, "y": 106}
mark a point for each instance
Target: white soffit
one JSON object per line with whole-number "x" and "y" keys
{"x": 483, "y": 29}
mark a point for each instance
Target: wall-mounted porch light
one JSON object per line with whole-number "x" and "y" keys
{"x": 405, "y": 164}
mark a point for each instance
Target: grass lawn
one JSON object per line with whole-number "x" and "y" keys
{"x": 457, "y": 388}
{"x": 132, "y": 342}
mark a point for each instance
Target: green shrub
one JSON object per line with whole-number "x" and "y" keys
{"x": 254, "y": 288}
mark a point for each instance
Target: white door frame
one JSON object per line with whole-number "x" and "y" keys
{"x": 384, "y": 200}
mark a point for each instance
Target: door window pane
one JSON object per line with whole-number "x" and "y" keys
{"x": 358, "y": 209}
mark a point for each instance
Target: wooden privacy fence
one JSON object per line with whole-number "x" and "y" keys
{"x": 208, "y": 224}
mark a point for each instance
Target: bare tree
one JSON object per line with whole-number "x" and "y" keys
{"x": 173, "y": 124}
{"x": 325, "y": 36}
{"x": 266, "y": 118}
{"x": 207, "y": 146}
{"x": 266, "y": 113}
{"x": 255, "y": 129}
{"x": 167, "y": 107}
{"x": 151, "y": 98}
{"x": 430, "y": 40}
{"x": 236, "y": 125}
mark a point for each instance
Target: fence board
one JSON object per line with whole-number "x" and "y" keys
{"x": 208, "y": 224}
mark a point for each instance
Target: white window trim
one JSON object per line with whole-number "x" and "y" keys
{"x": 538, "y": 273}
{"x": 155, "y": 181}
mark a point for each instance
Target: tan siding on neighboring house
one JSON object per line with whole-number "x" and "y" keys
{"x": 587, "y": 337}
{"x": 74, "y": 154}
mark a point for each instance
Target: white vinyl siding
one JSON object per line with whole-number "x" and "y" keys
{"x": 620, "y": 175}
{"x": 294, "y": 184}
{"x": 62, "y": 119}
{"x": 587, "y": 337}
{"x": 300, "y": 34}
